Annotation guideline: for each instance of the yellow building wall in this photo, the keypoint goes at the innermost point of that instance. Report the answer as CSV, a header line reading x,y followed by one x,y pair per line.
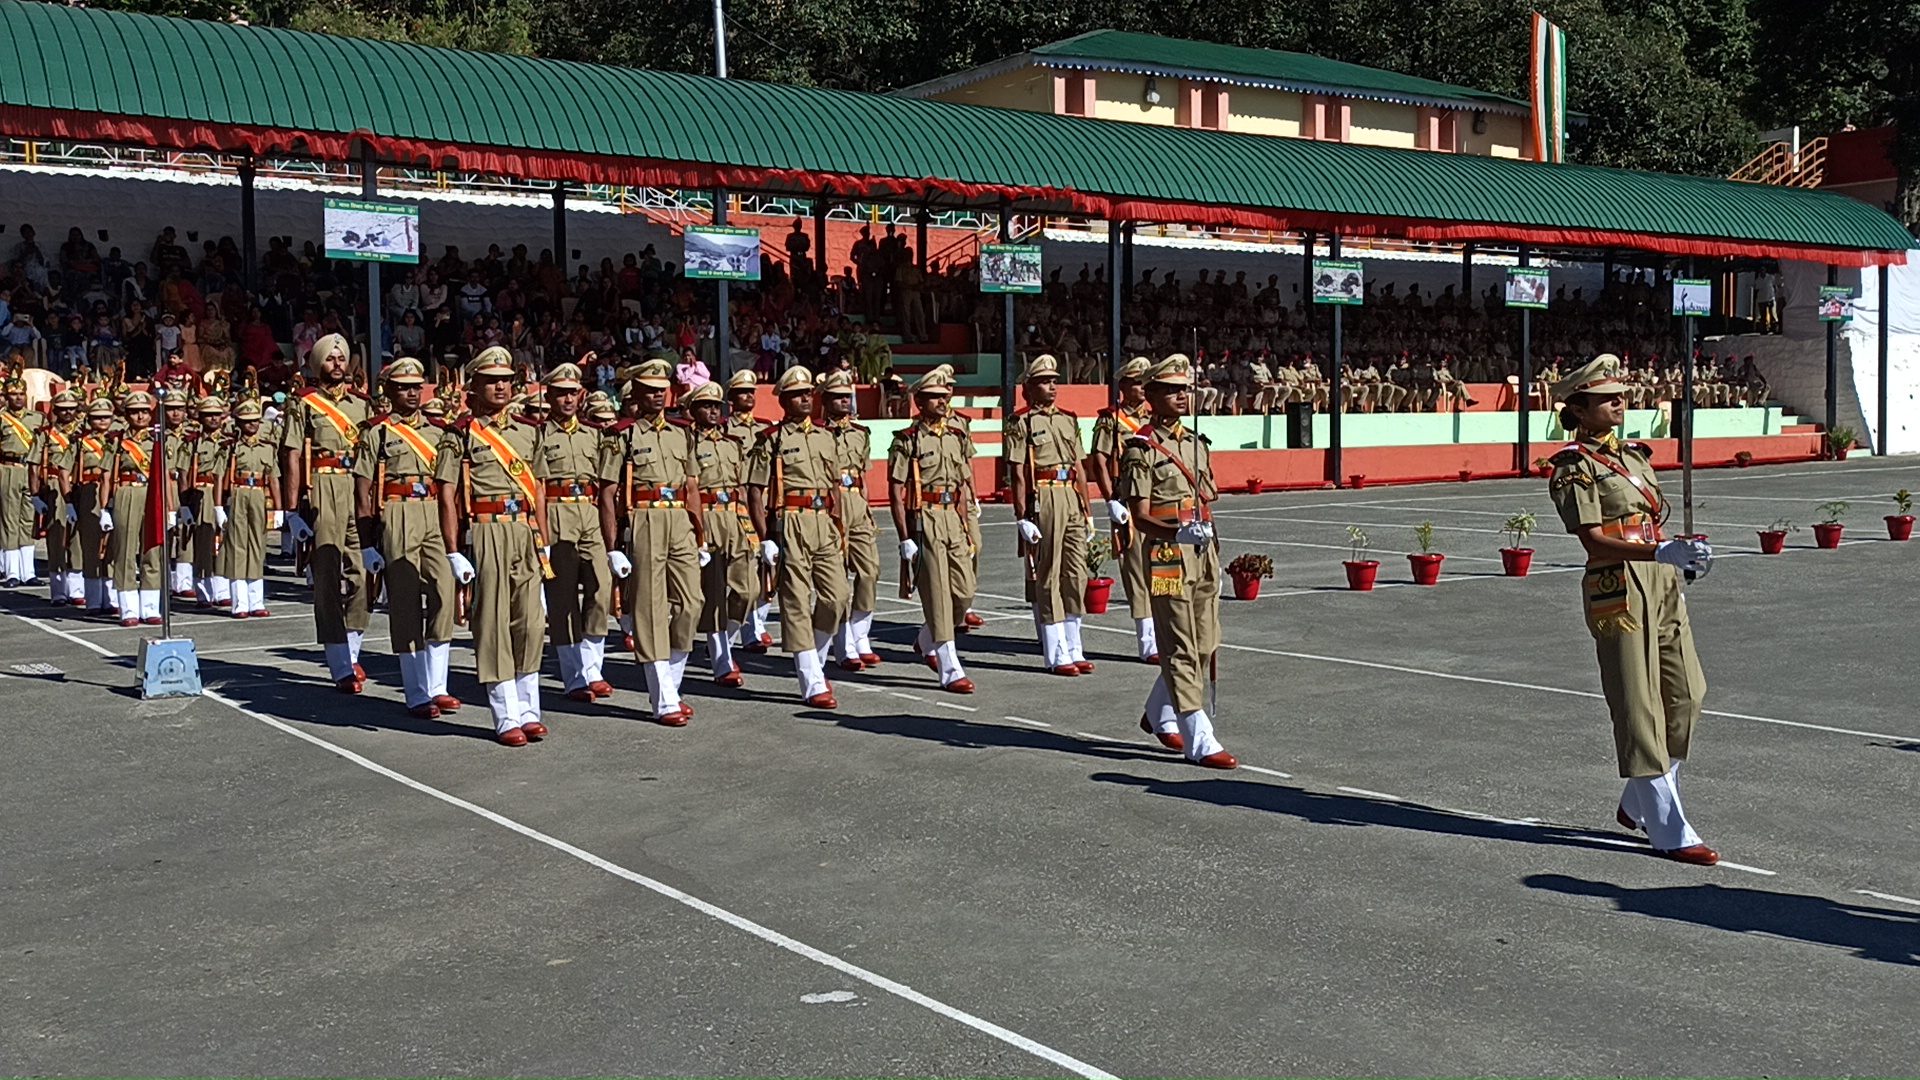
x,y
1377,123
1119,96
1029,89
1506,136
1257,111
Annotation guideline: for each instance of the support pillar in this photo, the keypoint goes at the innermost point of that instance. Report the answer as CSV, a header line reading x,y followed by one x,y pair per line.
x,y
1336,378
1524,446
1116,286
1833,361
1886,314
722,316
370,190
820,207
560,253
249,231
1007,360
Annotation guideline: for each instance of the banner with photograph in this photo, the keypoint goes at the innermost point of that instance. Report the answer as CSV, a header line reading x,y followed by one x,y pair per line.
x,y
1836,303
371,232
1692,296
722,252
1010,268
1527,287
1337,282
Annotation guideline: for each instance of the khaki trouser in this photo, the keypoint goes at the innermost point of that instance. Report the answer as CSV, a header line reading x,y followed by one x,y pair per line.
x,y
91,548
1648,668
1187,626
1133,574
731,580
246,547
508,628
133,569
204,536
1060,558
943,571
420,583
580,594
16,508
1391,396
63,540
863,551
813,578
336,561
663,592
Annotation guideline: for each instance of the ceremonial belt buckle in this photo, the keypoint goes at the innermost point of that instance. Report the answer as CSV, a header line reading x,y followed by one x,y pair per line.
x,y
847,479
511,506
940,496
723,497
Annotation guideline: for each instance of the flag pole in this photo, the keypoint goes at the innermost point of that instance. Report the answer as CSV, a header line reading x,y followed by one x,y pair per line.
x,y
159,476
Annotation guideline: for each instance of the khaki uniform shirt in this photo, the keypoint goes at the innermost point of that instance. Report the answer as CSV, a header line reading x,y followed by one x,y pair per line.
x,y
569,456
1045,439
243,457
487,474
16,444
1155,476
809,458
659,450
380,444
305,421
1586,491
944,452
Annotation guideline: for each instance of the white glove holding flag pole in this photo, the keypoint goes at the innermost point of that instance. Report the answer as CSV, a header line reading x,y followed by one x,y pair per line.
x,y
705,556
769,552
183,515
220,516
302,532
1029,531
106,521
1195,533
39,505
618,562
372,560
909,549
1684,554
1117,513
462,569
73,514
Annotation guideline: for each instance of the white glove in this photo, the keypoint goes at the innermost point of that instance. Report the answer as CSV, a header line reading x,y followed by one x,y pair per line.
x,y
184,515
73,514
276,518
1117,513
705,556
106,521
220,516
1694,555
372,560
173,520
39,505
1194,532
618,562
1028,531
462,569
769,552
909,549
302,532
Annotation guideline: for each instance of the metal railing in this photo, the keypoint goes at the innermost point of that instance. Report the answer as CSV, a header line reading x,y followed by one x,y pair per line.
x,y
1781,166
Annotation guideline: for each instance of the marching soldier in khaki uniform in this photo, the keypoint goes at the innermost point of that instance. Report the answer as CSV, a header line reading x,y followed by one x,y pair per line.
x,y
202,448
1042,445
793,481
742,394
853,447
1608,496
930,482
1168,473
488,487
19,427
399,512
648,474
48,456
580,593
249,473
82,475
728,582
1110,434
138,573
316,465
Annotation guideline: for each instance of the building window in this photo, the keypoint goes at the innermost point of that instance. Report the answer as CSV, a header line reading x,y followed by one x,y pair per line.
x,y
1439,130
1328,119
1073,94
1202,105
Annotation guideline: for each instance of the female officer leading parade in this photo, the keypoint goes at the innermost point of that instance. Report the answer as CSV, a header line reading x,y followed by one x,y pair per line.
x,y
1608,496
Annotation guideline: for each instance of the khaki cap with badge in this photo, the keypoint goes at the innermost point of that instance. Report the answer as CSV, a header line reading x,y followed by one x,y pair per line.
x,y
706,391
1044,366
656,374
744,379
66,399
405,371
838,382
493,361
563,377
100,407
1135,369
795,380
1175,370
247,410
939,382
1600,375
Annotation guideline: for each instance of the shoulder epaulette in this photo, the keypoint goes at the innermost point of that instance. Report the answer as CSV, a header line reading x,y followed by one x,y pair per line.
x,y
1203,437
375,420
1645,449
680,421
1567,455
1071,415
621,424
307,391
463,425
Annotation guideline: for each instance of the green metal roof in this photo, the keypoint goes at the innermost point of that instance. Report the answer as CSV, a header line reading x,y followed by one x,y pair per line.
x,y
90,75
1291,70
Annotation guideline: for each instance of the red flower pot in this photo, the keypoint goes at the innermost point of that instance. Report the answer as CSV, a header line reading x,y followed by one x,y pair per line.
x,y
1356,481
1098,591
1466,475
1256,487
1899,526
1360,574
1516,561
1246,586
1828,535
1772,541
1426,567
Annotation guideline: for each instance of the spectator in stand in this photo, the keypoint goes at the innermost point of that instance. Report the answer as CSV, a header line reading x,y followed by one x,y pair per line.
x,y
79,263
798,244
215,338
475,299
30,261
137,338
168,336
307,331
71,348
410,338
19,338
257,346
103,342
404,296
167,254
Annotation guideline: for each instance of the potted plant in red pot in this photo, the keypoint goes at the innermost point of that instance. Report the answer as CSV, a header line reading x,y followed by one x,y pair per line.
x,y
1246,570
1426,561
1826,531
1773,538
1255,485
1514,558
1360,569
1900,525
1839,441
1099,585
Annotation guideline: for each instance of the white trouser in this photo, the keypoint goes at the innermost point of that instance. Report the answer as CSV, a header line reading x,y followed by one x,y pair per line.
x,y
862,624
663,682
720,652
339,661
413,677
250,596
1654,803
182,577
28,566
504,702
593,658
112,596
756,627
923,641
222,589
10,564
948,654
526,690
1143,634
1053,646
1197,730
96,595
439,653
1075,651
571,678
811,673
149,603
1159,709
57,588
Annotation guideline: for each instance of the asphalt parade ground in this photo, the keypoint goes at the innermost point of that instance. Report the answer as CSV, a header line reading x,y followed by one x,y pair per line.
x,y
1414,872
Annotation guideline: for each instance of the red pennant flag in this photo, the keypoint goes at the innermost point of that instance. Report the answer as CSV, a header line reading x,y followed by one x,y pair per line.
x,y
154,533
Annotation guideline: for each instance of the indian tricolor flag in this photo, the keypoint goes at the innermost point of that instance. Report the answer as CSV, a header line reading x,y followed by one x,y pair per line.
x,y
1549,91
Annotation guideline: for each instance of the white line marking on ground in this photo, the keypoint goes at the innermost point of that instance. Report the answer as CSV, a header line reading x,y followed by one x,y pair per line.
x,y
1746,868
177,624
296,646
957,705
1888,896
1371,794
713,911
1266,772
1096,738
1029,723
909,697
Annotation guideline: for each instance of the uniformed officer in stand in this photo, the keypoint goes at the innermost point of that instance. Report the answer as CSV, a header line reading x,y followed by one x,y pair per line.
x,y
82,476
1608,496
1168,473
487,487
1043,451
44,462
793,481
648,475
399,510
198,480
249,471
742,394
1110,433
930,483
18,427
853,448
139,572
729,583
317,442
580,593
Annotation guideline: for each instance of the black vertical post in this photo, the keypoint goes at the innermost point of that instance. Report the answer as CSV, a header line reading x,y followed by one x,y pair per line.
x,y
560,253
1006,318
1116,283
370,190
1833,361
722,301
1686,413
249,230
1126,263
1886,314
1466,274
1308,241
920,236
1525,448
1336,378
820,207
